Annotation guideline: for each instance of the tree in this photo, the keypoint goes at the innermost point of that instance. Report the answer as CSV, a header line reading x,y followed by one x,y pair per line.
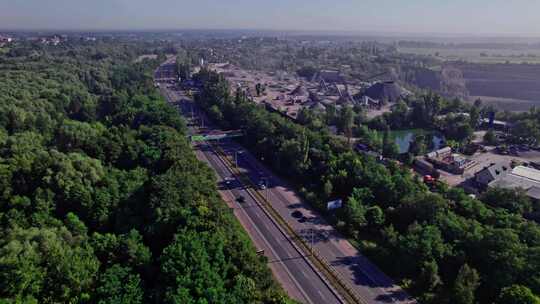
x,y
346,121
398,118
517,294
512,200
328,188
390,148
478,103
46,264
525,130
465,285
355,212
422,244
119,284
331,114
490,138
429,276
194,268
375,217
500,256
474,117
418,145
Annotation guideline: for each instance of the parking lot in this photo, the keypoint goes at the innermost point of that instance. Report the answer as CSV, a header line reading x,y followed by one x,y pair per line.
x,y
484,159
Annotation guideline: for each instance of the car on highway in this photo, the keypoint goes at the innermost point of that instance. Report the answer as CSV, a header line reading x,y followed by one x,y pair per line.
x,y
262,185
297,214
241,199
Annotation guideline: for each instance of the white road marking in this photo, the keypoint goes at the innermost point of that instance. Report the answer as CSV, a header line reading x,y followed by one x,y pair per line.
x,y
321,294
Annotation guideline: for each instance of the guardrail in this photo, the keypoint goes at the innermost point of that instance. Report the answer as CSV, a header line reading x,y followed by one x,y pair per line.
x,y
317,261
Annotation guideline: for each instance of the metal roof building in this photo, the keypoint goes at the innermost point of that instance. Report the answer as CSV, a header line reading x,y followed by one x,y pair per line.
x,y
522,177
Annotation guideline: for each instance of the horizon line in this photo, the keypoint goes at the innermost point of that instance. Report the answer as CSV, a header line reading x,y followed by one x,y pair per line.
x,y
333,32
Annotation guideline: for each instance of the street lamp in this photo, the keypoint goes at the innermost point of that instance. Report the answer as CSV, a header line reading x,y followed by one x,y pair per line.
x,y
236,153
312,239
266,183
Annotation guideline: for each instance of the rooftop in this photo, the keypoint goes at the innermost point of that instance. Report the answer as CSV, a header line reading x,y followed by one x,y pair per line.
x,y
527,172
387,91
521,177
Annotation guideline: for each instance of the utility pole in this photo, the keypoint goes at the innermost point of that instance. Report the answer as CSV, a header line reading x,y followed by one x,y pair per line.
x,y
266,189
266,183
236,158
312,239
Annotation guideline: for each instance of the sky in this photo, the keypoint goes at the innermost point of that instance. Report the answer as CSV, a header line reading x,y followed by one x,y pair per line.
x,y
505,17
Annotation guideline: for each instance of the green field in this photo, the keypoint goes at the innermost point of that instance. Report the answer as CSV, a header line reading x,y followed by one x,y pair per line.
x,y
478,55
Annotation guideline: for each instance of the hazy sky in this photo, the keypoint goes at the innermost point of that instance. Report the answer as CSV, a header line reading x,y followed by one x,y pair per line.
x,y
425,16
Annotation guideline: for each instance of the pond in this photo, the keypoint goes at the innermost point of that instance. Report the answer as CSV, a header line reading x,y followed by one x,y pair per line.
x,y
404,138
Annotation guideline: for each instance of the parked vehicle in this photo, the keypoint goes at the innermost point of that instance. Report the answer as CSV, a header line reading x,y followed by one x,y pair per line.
x,y
297,214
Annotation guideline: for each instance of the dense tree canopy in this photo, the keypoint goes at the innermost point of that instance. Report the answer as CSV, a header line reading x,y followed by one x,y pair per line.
x,y
101,198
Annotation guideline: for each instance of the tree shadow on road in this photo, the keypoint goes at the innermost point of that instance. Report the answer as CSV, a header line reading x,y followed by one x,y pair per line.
x,y
392,293
395,295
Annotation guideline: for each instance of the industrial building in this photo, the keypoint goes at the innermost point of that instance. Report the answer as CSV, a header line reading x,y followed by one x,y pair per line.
x,y
502,176
445,160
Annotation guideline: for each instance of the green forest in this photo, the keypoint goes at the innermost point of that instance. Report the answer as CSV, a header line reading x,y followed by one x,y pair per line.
x,y
102,199
442,245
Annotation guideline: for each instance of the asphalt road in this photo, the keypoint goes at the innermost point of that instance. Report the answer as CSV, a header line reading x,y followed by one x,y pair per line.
x,y
290,268
369,283
312,288
294,273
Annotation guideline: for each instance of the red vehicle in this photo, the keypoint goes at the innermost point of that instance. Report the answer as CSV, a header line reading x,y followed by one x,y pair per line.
x,y
428,179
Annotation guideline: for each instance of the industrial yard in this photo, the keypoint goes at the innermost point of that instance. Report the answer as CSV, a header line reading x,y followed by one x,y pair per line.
x,y
288,93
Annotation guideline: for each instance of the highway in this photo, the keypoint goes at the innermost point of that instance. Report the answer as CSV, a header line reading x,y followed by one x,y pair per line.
x,y
288,265
295,273
280,249
369,283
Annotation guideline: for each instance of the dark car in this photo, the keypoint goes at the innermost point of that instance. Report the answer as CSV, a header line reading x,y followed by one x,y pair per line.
x,y
524,148
297,214
513,150
241,199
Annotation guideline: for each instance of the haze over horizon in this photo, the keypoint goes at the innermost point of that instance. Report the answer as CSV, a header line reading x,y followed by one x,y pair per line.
x,y
495,17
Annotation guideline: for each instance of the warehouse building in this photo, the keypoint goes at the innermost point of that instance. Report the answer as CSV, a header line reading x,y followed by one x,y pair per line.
x,y
500,176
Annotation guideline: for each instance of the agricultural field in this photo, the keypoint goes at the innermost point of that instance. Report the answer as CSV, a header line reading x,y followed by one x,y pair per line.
x,y
478,55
